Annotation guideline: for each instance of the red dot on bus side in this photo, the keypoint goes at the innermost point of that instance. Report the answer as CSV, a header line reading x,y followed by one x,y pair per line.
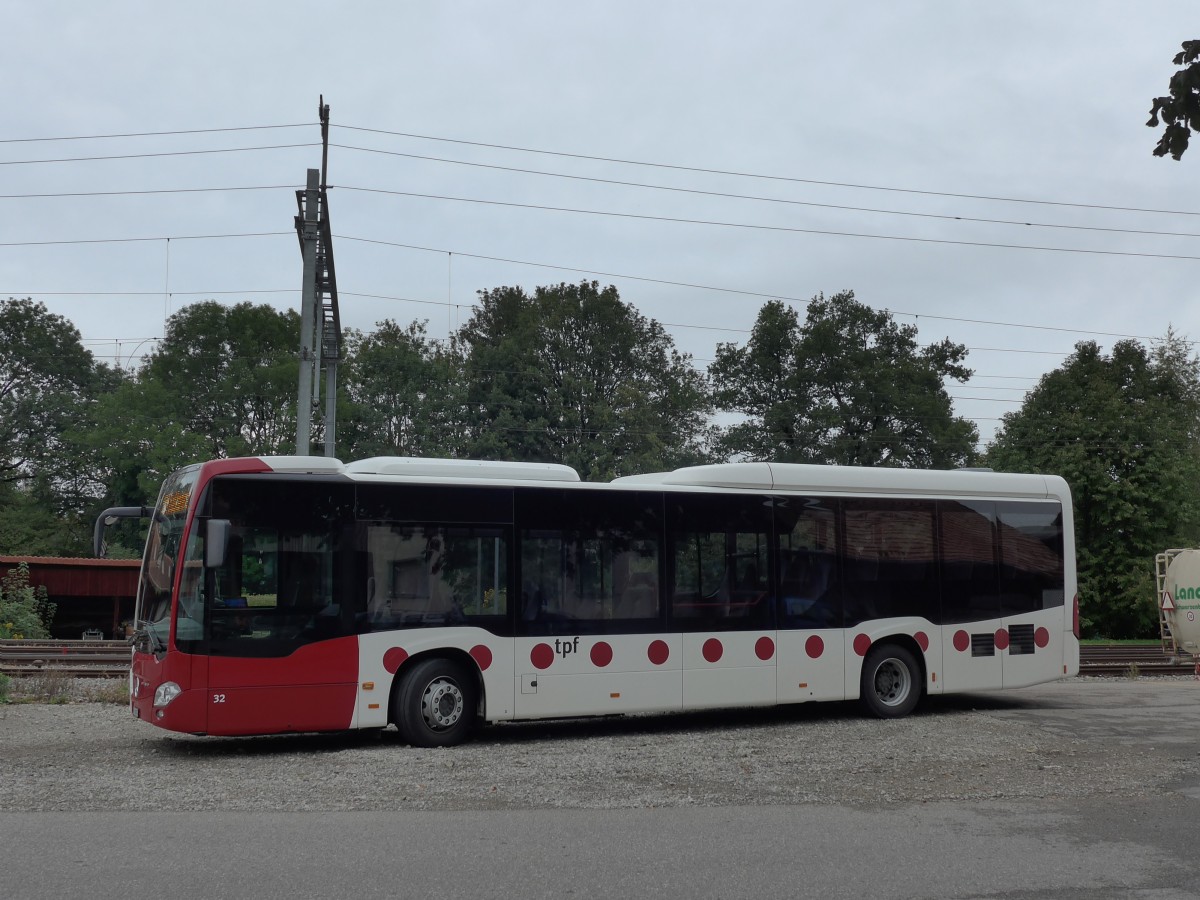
x,y
814,646
602,654
541,656
658,652
394,659
922,640
862,644
712,650
482,655
1001,639
962,641
1041,637
764,648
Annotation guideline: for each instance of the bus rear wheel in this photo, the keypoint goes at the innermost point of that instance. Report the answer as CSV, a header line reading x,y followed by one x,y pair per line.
x,y
434,704
891,681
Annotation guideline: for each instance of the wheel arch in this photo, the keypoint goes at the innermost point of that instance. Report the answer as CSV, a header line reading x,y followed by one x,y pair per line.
x,y
900,639
454,654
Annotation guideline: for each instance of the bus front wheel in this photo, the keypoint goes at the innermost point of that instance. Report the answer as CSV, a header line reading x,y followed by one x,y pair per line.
x,y
434,704
891,681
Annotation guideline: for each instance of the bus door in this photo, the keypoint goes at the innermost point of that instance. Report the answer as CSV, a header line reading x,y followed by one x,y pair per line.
x,y
590,637
974,642
721,600
1032,590
280,617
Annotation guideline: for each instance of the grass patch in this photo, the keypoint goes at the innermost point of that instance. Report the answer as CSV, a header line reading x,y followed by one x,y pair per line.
x,y
57,687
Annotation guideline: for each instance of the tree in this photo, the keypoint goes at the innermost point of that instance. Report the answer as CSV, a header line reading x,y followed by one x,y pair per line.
x,y
1124,431
48,381
221,383
404,394
573,374
1180,111
33,524
848,387
50,387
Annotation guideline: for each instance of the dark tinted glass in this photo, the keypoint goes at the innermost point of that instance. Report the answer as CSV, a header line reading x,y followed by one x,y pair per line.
x,y
1031,556
286,580
720,562
970,570
427,575
434,503
589,562
890,560
809,574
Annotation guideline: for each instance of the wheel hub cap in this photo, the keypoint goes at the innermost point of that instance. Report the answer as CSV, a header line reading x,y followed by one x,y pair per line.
x,y
442,704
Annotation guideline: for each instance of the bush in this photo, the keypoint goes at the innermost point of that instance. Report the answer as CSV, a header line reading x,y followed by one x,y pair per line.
x,y
5,686
25,610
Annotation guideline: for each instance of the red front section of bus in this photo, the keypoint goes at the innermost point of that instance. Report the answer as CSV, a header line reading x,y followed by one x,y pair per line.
x,y
312,689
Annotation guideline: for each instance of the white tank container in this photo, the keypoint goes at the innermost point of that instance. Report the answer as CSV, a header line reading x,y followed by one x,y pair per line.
x,y
1179,599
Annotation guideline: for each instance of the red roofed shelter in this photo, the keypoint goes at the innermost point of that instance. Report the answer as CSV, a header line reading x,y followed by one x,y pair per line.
x,y
90,594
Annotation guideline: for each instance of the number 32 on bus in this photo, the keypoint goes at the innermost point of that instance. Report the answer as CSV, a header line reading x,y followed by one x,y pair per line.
x,y
301,594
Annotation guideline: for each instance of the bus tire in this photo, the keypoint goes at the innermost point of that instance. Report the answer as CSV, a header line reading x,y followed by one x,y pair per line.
x,y
891,681
434,703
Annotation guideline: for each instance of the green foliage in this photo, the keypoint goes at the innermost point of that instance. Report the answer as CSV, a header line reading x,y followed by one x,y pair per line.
x,y
221,383
5,688
25,611
573,374
1124,431
848,386
1180,110
48,382
404,395
31,526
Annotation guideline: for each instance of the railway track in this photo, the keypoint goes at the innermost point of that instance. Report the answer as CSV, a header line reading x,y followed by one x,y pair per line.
x,y
1126,659
110,659
83,659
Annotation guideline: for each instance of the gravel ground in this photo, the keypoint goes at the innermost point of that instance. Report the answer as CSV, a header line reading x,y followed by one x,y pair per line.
x,y
83,755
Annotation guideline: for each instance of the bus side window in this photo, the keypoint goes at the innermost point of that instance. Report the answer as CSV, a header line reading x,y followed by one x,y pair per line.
x,y
720,563
588,567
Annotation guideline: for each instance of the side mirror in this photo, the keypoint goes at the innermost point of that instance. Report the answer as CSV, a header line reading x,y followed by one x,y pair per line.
x,y
110,517
216,542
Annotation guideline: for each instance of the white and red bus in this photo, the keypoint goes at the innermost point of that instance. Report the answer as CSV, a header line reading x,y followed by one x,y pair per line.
x,y
301,594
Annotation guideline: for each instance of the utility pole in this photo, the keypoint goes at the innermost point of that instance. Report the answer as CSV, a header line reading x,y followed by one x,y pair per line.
x,y
320,320
307,229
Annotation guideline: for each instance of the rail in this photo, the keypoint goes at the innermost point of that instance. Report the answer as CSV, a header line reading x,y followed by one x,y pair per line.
x,y
1133,659
86,659
110,659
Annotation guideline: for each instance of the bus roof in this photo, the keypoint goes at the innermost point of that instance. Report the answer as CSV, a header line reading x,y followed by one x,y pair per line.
x,y
744,476
763,476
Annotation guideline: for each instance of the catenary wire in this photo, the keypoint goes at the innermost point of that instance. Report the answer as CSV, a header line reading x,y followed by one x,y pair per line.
x,y
787,229
134,134
778,200
704,287
263,187
73,159
707,171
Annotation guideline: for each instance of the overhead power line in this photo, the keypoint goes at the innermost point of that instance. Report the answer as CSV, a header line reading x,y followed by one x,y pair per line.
x,y
708,287
33,162
760,199
779,228
260,187
784,178
131,240
137,134
173,293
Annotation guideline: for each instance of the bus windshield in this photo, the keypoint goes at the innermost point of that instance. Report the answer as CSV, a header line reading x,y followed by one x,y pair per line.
x,y
162,557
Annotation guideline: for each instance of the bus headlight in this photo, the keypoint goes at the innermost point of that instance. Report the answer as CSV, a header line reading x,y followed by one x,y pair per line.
x,y
167,691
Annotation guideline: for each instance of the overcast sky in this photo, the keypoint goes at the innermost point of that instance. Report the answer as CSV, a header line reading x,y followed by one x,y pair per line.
x,y
851,134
